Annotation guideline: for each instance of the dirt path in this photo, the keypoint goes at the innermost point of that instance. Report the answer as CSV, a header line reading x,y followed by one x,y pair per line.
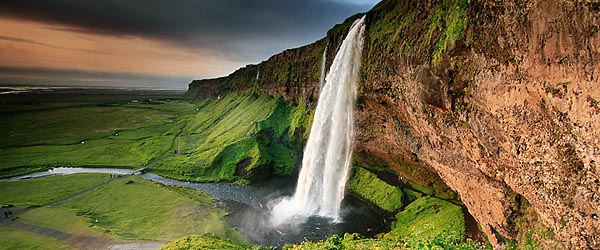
x,y
71,196
74,240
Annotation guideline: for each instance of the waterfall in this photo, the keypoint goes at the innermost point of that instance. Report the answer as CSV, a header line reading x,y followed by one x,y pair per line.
x,y
327,156
323,65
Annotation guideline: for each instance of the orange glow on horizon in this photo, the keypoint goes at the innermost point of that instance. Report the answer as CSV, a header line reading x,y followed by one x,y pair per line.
x,y
34,44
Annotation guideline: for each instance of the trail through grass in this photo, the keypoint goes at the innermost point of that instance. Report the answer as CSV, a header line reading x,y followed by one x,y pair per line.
x,y
43,191
18,239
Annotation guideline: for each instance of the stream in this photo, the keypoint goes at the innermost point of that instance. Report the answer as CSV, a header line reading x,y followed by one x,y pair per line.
x,y
249,208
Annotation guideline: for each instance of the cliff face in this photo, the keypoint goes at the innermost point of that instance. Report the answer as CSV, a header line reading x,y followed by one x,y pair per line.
x,y
293,74
497,100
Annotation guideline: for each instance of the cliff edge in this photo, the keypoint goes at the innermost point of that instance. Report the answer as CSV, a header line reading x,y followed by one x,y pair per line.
x,y
496,100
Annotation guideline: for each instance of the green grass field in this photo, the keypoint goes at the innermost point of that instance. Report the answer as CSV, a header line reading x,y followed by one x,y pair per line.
x,y
133,208
126,136
61,219
18,239
43,191
254,135
130,208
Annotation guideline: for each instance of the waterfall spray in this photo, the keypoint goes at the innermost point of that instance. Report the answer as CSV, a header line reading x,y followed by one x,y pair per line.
x,y
327,156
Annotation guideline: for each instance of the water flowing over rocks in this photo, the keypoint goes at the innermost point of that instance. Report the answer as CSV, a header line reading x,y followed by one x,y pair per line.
x,y
328,153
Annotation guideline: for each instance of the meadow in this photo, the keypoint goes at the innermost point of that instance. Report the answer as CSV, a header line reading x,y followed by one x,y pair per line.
x,y
122,209
121,135
240,137
98,130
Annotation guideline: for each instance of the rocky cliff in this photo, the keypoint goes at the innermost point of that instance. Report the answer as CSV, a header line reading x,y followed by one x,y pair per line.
x,y
496,100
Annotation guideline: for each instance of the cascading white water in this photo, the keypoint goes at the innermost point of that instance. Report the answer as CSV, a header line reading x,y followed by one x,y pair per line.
x,y
327,155
323,65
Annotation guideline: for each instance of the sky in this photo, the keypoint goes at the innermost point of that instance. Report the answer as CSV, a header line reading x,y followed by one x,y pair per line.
x,y
153,43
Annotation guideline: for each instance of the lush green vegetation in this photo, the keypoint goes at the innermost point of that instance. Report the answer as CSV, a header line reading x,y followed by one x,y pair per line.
x,y
427,223
197,242
105,135
402,29
134,208
335,242
129,208
43,191
239,135
366,185
356,242
451,20
18,239
427,218
61,219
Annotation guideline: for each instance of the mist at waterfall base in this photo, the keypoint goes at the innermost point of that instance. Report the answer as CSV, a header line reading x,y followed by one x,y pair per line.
x,y
250,213
315,209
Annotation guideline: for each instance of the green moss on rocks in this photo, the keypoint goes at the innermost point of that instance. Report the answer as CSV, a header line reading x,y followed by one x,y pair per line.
x,y
451,19
366,185
531,232
426,219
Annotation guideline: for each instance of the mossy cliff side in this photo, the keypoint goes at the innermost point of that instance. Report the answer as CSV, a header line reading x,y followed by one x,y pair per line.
x,y
496,101
239,137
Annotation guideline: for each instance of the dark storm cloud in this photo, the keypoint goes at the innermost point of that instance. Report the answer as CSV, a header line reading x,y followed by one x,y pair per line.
x,y
239,29
52,76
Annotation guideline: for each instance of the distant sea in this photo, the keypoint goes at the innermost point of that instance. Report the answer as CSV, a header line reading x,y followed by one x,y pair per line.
x,y
32,95
41,89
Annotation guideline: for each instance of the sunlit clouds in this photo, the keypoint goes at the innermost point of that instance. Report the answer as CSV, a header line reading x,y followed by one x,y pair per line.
x,y
36,45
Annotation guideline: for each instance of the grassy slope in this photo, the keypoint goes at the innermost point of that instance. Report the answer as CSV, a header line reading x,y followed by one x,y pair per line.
x,y
61,219
120,135
134,208
258,133
428,218
369,187
46,190
18,239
